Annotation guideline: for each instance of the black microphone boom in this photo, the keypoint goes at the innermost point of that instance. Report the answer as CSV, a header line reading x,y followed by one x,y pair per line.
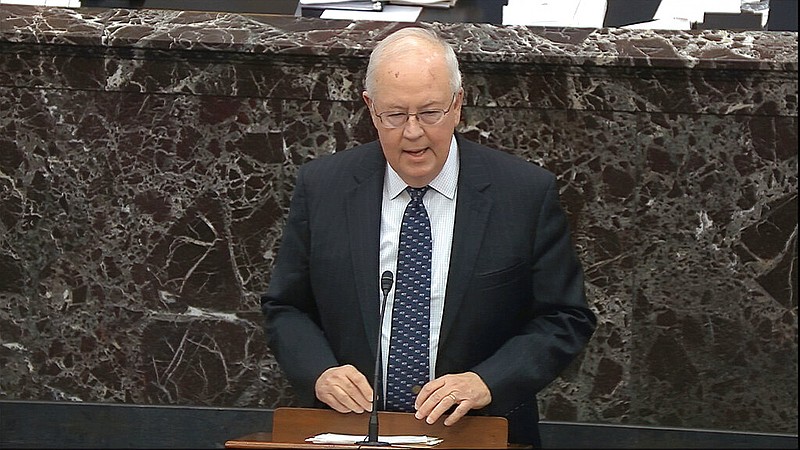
x,y
387,279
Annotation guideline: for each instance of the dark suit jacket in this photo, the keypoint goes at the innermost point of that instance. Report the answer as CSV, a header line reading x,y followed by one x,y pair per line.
x,y
515,310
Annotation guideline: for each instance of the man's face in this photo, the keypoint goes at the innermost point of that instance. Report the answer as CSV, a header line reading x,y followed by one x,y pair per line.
x,y
411,83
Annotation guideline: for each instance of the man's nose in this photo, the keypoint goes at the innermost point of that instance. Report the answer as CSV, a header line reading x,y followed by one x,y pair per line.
x,y
413,128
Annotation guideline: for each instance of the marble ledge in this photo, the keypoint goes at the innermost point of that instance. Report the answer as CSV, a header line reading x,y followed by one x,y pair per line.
x,y
257,34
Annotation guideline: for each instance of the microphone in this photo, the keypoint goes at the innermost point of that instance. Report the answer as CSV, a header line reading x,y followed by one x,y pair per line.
x,y
387,279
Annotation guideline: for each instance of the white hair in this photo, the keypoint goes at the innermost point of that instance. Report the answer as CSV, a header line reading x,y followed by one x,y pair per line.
x,y
392,46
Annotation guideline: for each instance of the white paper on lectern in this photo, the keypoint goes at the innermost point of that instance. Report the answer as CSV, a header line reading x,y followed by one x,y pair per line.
x,y
333,438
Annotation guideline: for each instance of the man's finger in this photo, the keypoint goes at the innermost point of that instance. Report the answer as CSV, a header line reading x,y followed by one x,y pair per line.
x,y
344,389
457,414
360,390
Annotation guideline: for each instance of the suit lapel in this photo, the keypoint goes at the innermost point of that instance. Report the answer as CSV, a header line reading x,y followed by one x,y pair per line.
x,y
472,215
363,226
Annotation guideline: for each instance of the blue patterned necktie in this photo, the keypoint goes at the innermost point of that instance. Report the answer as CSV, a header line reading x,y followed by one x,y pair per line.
x,y
408,367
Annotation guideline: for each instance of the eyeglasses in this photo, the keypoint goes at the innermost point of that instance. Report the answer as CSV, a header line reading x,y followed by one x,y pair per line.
x,y
397,119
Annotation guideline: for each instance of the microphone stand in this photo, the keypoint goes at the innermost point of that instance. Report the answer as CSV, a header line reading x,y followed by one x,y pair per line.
x,y
387,279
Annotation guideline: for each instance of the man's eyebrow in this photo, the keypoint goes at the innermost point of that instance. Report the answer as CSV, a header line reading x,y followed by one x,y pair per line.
x,y
431,104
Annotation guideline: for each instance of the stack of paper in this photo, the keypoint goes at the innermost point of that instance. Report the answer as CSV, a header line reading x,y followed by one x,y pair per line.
x,y
363,5
389,13
346,439
431,3
549,13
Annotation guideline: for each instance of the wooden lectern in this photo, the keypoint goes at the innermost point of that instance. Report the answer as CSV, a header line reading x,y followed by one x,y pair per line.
x,y
291,427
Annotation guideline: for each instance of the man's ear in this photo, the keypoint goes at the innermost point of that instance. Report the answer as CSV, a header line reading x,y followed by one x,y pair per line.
x,y
366,98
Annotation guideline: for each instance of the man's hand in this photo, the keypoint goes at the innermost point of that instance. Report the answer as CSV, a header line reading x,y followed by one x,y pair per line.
x,y
466,390
344,389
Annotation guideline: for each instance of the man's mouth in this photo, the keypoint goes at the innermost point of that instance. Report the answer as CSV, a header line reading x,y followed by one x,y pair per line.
x,y
416,152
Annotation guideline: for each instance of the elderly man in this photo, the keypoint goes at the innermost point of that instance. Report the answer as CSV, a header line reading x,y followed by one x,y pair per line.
x,y
488,306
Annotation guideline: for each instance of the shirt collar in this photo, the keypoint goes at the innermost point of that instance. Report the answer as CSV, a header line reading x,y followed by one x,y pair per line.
x,y
445,182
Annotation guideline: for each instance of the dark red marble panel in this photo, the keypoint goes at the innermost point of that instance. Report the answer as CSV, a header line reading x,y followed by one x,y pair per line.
x,y
147,159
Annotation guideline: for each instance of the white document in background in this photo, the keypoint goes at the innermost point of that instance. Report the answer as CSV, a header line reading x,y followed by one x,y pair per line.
x,y
693,10
317,2
555,13
390,13
681,14
340,4
429,3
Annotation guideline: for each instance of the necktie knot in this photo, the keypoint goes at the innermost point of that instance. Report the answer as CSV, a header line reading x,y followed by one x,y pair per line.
x,y
417,193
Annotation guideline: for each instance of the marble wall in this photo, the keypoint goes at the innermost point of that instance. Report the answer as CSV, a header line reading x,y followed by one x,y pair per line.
x,y
147,159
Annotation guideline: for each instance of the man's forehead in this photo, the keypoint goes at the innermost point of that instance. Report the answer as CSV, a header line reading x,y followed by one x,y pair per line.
x,y
419,64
